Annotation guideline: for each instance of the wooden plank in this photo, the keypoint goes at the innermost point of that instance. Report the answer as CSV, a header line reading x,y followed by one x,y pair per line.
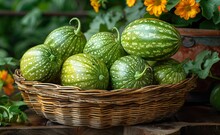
x,y
152,130
59,130
189,120
198,113
201,130
174,128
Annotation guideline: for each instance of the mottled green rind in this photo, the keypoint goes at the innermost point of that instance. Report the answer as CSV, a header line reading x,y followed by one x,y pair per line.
x,y
65,41
40,63
168,71
105,46
85,71
151,39
124,70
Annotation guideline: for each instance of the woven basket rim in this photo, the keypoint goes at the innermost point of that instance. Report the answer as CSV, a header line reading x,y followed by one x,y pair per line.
x,y
70,105
94,92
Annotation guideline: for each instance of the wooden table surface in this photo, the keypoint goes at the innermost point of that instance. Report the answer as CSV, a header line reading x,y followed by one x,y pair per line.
x,y
189,120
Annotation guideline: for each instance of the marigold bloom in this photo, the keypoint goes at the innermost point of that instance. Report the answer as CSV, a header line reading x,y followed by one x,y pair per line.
x,y
187,9
130,3
3,75
8,82
95,4
155,7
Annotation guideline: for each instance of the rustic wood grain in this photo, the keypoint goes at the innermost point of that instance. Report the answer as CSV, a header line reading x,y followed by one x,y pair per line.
x,y
59,130
190,120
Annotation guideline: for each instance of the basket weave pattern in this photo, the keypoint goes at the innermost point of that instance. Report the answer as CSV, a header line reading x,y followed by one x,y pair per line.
x,y
70,105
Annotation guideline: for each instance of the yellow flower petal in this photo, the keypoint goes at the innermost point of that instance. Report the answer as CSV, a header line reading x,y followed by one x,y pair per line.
x,y
95,4
130,3
3,75
155,7
187,9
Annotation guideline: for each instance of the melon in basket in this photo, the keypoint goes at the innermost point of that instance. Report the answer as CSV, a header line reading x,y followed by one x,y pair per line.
x,y
40,63
105,46
151,39
85,71
130,72
67,40
169,71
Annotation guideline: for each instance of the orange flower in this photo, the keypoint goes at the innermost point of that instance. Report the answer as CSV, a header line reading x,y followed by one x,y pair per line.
x,y
130,3
7,82
8,89
155,7
95,4
3,75
187,9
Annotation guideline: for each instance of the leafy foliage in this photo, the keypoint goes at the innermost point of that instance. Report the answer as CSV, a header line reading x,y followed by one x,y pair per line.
x,y
17,34
104,21
11,111
9,64
202,64
209,9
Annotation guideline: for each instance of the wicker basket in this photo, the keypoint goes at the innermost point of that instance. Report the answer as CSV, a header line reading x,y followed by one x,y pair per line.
x,y
101,108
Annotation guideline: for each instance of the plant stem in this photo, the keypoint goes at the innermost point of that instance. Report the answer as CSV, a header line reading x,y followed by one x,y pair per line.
x,y
118,34
139,75
77,31
214,77
6,110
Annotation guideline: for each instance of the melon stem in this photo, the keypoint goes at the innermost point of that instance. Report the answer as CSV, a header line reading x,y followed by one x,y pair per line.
x,y
52,57
118,34
101,77
139,75
77,31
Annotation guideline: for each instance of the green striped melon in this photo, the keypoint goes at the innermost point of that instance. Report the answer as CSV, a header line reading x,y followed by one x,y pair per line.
x,y
151,39
40,63
85,71
130,72
169,71
67,40
105,46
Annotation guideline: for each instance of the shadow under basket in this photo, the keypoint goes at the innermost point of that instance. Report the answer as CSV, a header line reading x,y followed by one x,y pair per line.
x,y
72,106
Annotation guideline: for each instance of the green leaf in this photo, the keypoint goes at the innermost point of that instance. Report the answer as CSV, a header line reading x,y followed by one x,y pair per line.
x,y
209,24
103,27
9,63
26,5
14,109
18,103
171,4
23,117
4,43
4,100
135,12
3,53
1,84
147,15
216,18
180,22
202,64
10,111
32,18
59,3
103,3
209,7
1,118
104,20
213,58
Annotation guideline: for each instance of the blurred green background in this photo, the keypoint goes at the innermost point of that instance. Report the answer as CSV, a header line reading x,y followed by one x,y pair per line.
x,y
26,23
